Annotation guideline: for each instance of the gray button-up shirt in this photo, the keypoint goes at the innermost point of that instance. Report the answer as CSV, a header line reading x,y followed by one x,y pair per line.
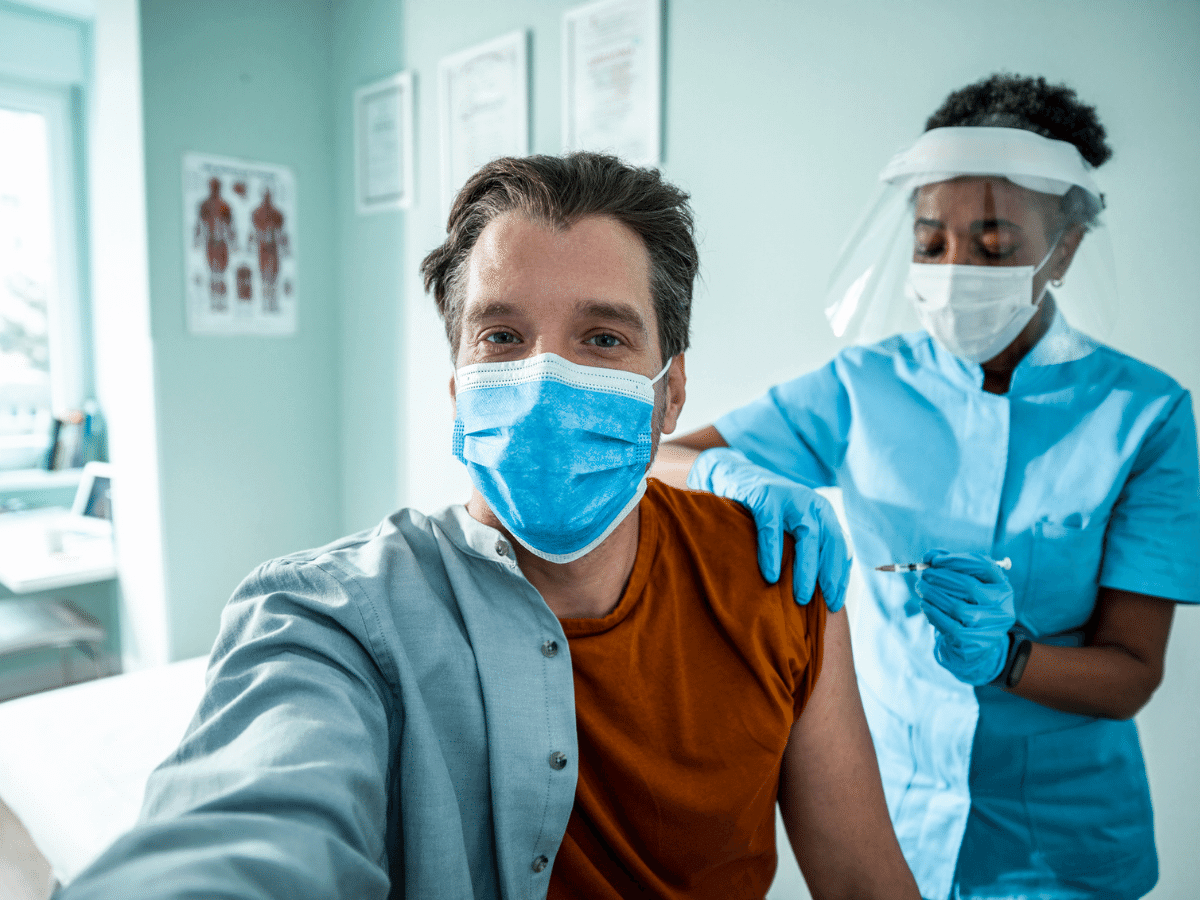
x,y
377,723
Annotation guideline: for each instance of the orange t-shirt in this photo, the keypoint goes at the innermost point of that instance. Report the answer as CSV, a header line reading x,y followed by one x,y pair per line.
x,y
685,695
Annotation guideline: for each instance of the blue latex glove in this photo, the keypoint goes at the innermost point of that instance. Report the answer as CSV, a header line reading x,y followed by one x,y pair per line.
x,y
778,506
968,599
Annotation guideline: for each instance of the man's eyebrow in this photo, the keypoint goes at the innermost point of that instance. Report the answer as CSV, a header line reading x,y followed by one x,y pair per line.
x,y
494,309
597,309
615,312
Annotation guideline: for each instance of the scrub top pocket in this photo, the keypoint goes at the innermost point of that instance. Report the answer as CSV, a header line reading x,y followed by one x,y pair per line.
x,y
1063,575
1089,803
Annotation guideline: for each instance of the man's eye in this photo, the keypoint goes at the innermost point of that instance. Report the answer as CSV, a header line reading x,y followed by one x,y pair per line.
x,y
606,340
501,337
926,251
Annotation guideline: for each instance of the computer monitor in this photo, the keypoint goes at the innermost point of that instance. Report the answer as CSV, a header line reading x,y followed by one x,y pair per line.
x,y
93,498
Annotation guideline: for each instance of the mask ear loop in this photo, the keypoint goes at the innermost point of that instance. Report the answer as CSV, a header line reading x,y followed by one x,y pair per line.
x,y
659,376
1054,282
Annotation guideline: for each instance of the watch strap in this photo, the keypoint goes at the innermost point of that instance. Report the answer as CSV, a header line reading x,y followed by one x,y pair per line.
x,y
1019,647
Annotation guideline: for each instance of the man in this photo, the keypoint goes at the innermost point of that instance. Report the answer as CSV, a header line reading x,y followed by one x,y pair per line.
x,y
576,685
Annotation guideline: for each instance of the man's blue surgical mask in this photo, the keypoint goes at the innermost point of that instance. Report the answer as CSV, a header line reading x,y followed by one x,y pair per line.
x,y
559,451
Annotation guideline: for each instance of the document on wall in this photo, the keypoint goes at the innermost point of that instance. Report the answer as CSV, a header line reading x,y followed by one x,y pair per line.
x,y
612,79
483,95
239,246
383,144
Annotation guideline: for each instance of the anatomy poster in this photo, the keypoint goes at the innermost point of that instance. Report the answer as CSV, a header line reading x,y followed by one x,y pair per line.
x,y
239,240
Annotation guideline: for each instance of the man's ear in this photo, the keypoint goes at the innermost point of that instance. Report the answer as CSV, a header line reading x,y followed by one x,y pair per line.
x,y
676,393
453,396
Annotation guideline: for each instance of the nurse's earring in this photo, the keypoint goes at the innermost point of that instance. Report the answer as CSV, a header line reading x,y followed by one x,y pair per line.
x,y
1056,282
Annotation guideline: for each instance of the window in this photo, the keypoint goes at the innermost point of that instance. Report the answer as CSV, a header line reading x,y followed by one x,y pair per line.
x,y
42,362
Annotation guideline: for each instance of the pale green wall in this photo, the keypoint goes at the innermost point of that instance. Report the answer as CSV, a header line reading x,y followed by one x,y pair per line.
x,y
367,46
249,427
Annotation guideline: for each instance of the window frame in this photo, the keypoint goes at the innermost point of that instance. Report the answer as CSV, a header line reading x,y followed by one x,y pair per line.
x,y
70,359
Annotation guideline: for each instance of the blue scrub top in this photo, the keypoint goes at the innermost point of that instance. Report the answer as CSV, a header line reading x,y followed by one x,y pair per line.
x,y
1085,475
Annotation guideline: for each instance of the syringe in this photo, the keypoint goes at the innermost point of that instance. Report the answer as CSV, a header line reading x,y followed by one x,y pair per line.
x,y
1005,563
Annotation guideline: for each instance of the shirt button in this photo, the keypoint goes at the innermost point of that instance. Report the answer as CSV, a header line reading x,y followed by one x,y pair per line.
x,y
558,760
550,649
501,548
539,864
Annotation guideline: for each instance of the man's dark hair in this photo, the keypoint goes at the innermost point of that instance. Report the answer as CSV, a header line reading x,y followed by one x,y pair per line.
x,y
1054,111
558,191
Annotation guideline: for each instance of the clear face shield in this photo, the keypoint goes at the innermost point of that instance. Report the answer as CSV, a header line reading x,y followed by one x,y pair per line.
x,y
972,228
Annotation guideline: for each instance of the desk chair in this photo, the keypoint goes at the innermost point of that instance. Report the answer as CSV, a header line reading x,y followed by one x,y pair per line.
x,y
27,625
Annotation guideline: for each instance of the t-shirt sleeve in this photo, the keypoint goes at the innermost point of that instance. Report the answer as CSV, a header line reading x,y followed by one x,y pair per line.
x,y
1152,545
798,429
281,779
805,627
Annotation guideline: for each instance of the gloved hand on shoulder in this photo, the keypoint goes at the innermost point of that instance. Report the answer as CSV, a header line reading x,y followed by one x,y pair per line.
x,y
968,599
778,506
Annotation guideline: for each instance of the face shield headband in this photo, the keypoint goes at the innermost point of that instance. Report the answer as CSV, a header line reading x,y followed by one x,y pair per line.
x,y
865,299
1034,162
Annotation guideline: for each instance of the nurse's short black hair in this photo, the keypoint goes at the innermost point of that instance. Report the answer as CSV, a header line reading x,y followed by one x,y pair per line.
x,y
1054,111
1019,101
559,191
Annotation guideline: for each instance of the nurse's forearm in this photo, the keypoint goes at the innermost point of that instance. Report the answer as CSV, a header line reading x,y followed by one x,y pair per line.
x,y
674,459
1117,672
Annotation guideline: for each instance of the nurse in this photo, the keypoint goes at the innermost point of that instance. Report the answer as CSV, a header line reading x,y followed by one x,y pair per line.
x,y
1047,482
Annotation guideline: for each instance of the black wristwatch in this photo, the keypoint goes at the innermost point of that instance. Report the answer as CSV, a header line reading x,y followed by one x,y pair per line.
x,y
1019,647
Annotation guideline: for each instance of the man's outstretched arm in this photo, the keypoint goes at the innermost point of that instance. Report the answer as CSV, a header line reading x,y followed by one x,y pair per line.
x,y
830,793
279,788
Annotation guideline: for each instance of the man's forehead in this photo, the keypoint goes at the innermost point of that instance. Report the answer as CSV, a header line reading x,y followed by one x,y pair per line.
x,y
596,258
514,230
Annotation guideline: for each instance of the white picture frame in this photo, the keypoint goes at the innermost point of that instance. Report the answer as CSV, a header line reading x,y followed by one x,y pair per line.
x,y
383,145
483,104
612,79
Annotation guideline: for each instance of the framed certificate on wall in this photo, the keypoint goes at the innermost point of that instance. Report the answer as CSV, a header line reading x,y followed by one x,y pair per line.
x,y
483,99
383,144
612,79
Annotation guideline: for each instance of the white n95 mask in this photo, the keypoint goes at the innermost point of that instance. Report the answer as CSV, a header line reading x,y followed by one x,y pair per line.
x,y
974,311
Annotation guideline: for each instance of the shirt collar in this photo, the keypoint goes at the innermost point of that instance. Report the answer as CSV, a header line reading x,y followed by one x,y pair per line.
x,y
472,536
1060,344
955,369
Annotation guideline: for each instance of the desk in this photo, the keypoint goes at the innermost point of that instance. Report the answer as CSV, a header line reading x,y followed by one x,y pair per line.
x,y
47,549
42,552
